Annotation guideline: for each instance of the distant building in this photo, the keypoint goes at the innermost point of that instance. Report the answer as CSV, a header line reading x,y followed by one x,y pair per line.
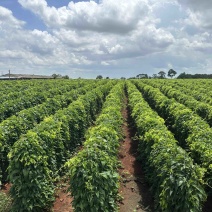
x,y
23,76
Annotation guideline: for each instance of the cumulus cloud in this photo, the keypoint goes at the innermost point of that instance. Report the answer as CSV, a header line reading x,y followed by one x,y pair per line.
x,y
196,4
121,16
144,41
202,42
107,35
200,13
103,31
87,35
32,50
7,20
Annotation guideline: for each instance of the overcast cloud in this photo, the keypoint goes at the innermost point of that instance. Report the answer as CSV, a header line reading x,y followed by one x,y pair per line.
x,y
111,38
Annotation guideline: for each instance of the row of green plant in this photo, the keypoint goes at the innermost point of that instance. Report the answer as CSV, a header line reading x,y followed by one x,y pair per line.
x,y
197,85
31,98
29,87
12,128
199,89
7,87
36,159
204,110
176,182
94,180
200,92
192,132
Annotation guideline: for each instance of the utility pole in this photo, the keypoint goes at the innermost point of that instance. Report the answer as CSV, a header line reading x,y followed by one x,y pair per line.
x,y
9,74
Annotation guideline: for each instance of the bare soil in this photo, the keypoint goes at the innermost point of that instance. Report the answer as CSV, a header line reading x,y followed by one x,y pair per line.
x,y
133,187
63,199
6,188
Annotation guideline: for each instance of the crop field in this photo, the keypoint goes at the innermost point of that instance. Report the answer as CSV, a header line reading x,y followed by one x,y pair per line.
x,y
55,128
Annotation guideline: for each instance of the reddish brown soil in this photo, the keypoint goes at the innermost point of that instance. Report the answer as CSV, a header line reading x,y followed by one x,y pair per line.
x,y
63,199
133,188
6,188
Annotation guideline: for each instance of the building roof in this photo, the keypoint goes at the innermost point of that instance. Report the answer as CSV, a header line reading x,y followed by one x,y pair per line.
x,y
25,76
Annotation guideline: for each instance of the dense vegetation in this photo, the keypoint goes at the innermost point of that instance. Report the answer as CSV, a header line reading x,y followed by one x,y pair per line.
x,y
168,167
42,122
194,76
94,178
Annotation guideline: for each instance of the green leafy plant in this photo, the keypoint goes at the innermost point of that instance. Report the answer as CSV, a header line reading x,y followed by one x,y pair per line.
x,y
192,132
37,158
168,167
94,180
12,128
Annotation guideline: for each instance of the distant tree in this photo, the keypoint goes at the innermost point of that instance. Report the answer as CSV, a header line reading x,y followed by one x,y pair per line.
x,y
171,73
55,76
161,74
65,77
154,76
107,77
99,77
182,76
194,76
142,76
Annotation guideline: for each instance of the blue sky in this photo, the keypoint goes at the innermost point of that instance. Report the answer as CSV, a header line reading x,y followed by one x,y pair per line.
x,y
119,38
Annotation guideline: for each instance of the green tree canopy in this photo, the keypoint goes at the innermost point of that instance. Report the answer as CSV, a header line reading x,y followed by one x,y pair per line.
x,y
65,77
162,74
154,76
142,76
171,73
99,77
55,76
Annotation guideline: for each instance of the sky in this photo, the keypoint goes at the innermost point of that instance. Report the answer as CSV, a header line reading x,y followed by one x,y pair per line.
x,y
112,38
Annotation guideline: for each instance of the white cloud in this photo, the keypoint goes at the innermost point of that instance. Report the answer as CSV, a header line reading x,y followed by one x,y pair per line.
x,y
120,16
7,20
197,4
199,12
105,63
105,31
5,54
112,38
32,50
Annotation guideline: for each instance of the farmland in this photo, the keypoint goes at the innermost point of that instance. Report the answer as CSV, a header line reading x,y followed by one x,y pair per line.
x,y
73,128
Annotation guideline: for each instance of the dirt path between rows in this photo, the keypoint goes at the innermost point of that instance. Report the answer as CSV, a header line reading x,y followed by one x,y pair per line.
x,y
133,188
63,199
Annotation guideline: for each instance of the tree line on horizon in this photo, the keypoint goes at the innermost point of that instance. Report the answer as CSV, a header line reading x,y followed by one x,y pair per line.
x,y
162,75
194,76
